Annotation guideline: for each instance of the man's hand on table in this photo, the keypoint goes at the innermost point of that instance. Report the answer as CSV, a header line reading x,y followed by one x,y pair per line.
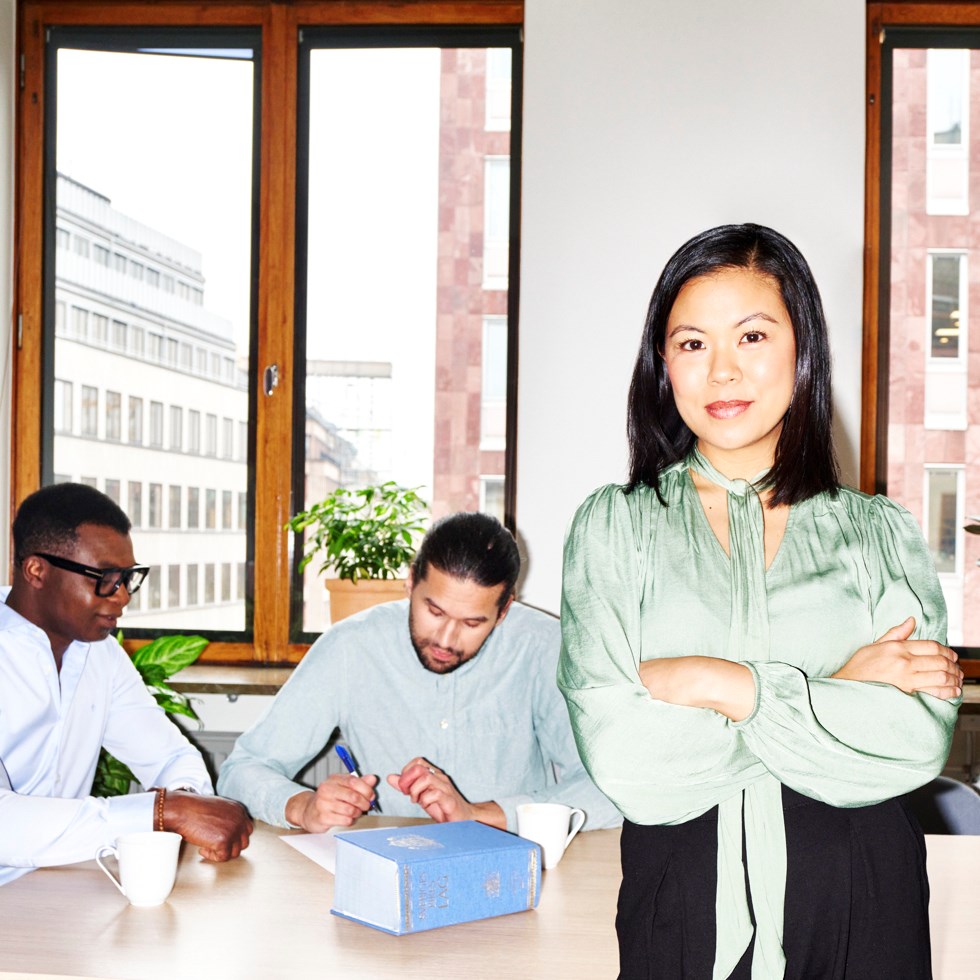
x,y
435,792
220,828
337,802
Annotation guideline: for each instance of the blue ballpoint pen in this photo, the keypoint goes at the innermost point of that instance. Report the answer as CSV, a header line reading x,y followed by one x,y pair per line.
x,y
348,761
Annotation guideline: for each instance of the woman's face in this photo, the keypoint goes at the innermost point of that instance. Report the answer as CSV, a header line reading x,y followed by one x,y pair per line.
x,y
730,353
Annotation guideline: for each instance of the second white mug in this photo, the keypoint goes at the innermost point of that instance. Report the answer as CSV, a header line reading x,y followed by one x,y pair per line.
x,y
147,865
552,825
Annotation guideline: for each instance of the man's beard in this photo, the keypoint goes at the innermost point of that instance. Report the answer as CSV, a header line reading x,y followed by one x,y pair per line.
x,y
435,666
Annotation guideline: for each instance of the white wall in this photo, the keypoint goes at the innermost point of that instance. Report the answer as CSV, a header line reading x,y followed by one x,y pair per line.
x,y
645,123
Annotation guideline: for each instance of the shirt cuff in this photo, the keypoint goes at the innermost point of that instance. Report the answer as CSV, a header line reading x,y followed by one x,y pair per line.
x,y
131,813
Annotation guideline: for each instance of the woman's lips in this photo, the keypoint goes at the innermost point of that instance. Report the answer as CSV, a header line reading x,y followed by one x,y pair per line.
x,y
726,410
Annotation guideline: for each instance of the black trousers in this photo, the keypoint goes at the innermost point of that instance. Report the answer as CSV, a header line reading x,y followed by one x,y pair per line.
x,y
856,905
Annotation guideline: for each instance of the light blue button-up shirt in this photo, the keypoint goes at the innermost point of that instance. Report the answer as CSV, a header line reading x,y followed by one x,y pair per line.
x,y
497,725
51,729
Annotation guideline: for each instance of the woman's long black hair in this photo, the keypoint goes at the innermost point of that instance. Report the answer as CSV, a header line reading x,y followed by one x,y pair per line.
x,y
805,463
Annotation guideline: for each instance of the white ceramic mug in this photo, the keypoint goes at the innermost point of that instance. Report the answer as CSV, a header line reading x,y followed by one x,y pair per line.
x,y
147,865
552,825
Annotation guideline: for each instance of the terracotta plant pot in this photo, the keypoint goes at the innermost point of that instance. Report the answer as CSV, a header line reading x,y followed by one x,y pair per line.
x,y
347,598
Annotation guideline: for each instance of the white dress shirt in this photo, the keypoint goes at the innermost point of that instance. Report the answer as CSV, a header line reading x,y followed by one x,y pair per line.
x,y
51,729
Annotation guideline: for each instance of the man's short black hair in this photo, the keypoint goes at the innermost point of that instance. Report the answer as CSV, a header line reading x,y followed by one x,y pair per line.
x,y
48,520
473,547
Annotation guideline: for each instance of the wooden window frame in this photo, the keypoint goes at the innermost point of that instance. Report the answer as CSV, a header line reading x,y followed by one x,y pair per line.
x,y
280,24
874,381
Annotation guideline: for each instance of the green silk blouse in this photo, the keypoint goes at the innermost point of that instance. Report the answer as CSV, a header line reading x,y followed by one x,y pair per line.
x,y
642,581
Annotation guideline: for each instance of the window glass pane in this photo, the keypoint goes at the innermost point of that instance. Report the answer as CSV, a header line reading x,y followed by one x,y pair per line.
x,y
395,375
154,161
931,387
945,322
942,529
946,83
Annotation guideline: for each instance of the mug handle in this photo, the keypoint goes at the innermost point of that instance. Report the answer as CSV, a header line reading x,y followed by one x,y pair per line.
x,y
577,818
109,849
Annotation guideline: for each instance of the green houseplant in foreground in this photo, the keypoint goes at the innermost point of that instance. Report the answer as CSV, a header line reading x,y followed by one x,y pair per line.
x,y
156,662
364,534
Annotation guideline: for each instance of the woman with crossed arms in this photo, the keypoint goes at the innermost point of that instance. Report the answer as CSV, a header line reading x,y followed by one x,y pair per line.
x,y
753,655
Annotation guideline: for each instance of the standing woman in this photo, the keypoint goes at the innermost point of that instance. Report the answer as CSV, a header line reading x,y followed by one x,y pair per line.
x,y
753,655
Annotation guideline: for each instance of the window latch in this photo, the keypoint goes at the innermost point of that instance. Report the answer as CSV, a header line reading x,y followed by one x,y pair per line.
x,y
271,379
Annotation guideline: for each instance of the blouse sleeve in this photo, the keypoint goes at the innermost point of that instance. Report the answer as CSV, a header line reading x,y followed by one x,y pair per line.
x,y
852,743
658,762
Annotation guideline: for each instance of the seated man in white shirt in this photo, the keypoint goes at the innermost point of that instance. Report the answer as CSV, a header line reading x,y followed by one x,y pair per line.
x,y
448,696
67,688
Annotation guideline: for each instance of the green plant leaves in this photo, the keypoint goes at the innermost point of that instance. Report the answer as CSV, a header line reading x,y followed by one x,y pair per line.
x,y
156,662
365,533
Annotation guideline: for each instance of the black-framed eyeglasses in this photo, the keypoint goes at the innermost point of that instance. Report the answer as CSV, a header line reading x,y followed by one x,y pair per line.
x,y
108,580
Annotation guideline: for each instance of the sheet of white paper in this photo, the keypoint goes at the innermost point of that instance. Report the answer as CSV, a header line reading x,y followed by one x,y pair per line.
x,y
321,848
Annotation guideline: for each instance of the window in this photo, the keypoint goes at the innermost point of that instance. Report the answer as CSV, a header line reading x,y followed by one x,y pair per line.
x,y
226,510
943,516
100,329
225,581
173,586
156,424
358,366
101,255
193,507
112,491
135,506
63,394
79,322
496,222
176,426
193,595
135,421
193,431
211,435
947,304
947,130
113,416
493,393
175,495
209,582
227,438
152,589
90,411
921,408
156,505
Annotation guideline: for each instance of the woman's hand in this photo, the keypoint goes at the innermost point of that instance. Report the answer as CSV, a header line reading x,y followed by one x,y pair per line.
x,y
701,682
910,665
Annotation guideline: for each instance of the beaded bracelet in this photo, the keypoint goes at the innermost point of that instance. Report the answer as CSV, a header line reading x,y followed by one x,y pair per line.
x,y
158,808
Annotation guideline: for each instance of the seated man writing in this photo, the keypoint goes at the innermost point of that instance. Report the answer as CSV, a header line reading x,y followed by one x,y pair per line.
x,y
67,688
451,694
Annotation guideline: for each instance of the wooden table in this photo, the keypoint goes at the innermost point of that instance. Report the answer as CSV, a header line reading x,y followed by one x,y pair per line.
x,y
266,915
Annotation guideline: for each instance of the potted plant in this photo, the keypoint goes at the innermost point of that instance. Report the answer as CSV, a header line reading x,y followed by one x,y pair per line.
x,y
367,538
156,662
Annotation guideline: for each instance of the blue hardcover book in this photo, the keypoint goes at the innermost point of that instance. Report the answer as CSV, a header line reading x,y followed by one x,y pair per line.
x,y
406,879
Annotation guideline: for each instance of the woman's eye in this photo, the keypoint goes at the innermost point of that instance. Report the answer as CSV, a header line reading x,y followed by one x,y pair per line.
x,y
692,344
754,337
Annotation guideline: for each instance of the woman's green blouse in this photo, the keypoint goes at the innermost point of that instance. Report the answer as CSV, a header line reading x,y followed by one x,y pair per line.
x,y
643,580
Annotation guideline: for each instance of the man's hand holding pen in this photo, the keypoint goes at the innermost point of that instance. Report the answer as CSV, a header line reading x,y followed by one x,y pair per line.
x,y
336,802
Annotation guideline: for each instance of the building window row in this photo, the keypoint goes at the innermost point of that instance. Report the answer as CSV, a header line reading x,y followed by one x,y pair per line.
x,y
96,329
186,586
165,430
140,271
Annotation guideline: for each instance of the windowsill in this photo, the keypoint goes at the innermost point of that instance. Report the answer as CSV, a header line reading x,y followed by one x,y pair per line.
x,y
220,679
